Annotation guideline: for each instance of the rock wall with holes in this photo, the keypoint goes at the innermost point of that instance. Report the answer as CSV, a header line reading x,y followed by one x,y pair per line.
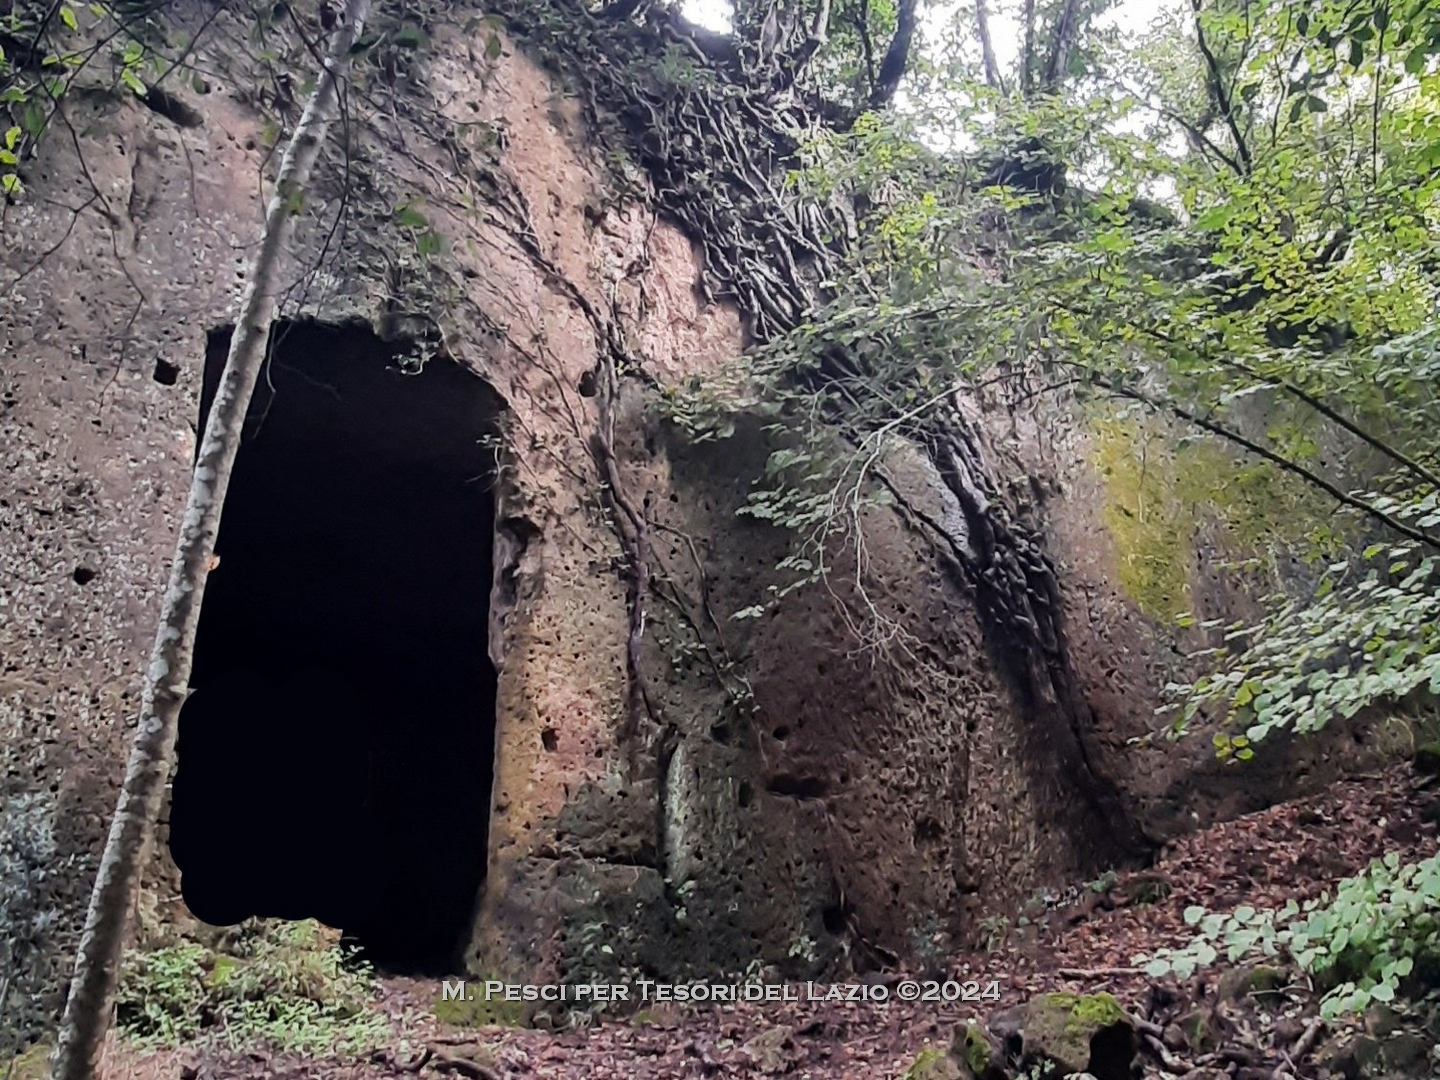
x,y
729,790
132,242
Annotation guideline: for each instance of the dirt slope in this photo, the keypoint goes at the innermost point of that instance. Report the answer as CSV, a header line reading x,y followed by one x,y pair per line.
x,y
1083,940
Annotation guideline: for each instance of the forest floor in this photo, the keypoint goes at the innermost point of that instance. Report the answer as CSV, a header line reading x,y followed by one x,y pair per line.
x,y
1293,850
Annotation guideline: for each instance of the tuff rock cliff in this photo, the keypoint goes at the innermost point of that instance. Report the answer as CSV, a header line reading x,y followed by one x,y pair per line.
x,y
662,787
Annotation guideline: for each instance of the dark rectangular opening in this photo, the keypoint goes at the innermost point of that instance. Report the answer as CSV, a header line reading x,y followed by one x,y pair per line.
x,y
335,757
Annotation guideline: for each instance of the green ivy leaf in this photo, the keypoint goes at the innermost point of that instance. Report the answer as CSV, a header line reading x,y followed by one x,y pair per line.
x,y
428,245
412,37
411,218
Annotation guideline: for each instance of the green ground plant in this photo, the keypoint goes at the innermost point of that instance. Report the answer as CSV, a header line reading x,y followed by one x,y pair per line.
x,y
290,986
1376,936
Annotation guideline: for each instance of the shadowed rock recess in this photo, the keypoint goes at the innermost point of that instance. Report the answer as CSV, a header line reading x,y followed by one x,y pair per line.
x,y
335,757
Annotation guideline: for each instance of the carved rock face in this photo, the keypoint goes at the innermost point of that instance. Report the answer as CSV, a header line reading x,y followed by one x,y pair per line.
x,y
787,796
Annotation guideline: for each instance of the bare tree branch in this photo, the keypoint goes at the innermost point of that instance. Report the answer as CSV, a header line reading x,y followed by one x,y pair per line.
x,y
1067,29
1027,61
1201,142
1216,78
819,34
987,47
867,47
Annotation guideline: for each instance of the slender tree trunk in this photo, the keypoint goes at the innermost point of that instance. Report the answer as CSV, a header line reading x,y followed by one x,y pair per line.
x,y
92,989
1067,28
897,56
987,48
1027,61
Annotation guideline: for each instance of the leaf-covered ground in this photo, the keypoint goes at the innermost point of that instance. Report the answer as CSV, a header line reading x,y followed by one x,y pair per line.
x,y
1292,850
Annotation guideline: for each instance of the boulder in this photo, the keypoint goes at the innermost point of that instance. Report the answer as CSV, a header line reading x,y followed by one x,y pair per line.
x,y
933,1064
980,1054
1261,982
1407,1053
1400,1054
1075,1033
1007,1025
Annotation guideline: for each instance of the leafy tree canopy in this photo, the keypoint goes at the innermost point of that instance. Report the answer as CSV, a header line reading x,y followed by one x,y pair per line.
x,y
1225,220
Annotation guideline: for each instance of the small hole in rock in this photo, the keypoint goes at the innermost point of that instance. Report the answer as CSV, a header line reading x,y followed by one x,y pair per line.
x,y
166,373
927,829
797,787
166,104
746,795
549,740
83,575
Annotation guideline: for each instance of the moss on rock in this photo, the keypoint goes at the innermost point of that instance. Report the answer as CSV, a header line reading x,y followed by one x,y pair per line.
x,y
979,1052
30,1064
1141,515
1074,1033
472,1010
1160,494
932,1064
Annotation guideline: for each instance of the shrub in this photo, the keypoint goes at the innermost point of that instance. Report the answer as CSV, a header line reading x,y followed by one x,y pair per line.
x,y
287,985
1380,928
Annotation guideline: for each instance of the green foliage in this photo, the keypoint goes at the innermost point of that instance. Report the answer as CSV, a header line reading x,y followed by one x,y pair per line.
x,y
1361,945
1282,300
58,47
288,985
929,1064
1346,649
427,241
1150,889
994,930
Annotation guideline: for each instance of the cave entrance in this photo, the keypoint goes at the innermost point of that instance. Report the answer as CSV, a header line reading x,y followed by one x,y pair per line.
x,y
335,757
